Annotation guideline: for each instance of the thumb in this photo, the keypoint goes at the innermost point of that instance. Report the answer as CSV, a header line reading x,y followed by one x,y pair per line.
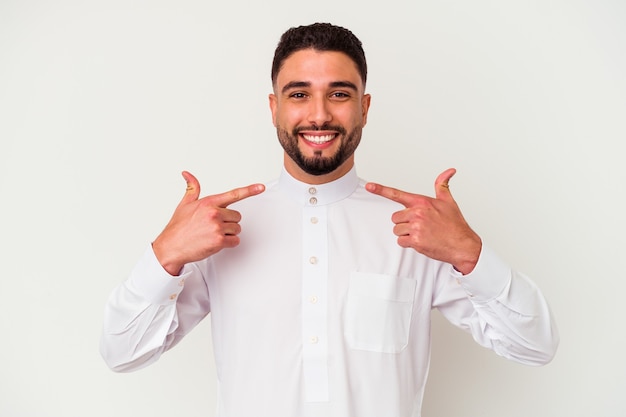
x,y
442,188
193,188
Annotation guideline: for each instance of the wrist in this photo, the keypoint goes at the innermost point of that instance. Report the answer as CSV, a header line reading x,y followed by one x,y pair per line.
x,y
468,258
169,264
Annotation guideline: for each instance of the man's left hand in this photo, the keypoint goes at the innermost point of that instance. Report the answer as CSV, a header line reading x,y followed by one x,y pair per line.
x,y
434,227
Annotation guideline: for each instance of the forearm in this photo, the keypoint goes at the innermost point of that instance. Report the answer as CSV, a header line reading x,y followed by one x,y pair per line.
x,y
506,312
135,332
518,324
142,317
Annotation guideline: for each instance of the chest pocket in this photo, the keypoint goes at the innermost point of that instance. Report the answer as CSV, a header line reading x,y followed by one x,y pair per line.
x,y
378,312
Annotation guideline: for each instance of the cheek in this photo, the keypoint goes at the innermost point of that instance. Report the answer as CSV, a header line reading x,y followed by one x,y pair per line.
x,y
350,119
288,117
351,111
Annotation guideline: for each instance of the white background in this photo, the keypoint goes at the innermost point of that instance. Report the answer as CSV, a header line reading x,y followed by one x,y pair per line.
x,y
103,103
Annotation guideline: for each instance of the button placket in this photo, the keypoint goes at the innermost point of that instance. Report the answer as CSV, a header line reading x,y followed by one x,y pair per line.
x,y
314,300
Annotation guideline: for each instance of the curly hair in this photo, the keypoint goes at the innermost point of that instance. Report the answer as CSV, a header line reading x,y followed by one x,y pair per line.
x,y
321,37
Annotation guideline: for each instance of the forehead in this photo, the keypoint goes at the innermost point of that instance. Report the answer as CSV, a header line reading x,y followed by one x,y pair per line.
x,y
310,65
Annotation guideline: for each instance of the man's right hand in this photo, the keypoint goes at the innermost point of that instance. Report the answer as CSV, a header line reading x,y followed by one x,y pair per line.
x,y
200,227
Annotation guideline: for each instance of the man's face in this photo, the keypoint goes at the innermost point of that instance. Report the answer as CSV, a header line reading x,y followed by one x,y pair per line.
x,y
319,109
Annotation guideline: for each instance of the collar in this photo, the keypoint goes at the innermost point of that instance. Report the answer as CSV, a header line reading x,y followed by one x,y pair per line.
x,y
321,194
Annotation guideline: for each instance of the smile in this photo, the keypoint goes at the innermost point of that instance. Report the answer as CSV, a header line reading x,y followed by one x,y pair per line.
x,y
319,139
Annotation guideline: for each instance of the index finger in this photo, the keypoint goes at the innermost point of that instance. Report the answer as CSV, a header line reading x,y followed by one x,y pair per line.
x,y
237,194
391,193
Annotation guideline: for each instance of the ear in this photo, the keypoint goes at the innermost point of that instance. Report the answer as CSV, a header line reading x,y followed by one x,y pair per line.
x,y
365,106
273,106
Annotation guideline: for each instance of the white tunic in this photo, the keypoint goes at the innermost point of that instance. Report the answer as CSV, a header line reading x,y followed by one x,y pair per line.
x,y
318,312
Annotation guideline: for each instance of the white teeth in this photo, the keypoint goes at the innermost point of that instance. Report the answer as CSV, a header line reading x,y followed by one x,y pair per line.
x,y
319,139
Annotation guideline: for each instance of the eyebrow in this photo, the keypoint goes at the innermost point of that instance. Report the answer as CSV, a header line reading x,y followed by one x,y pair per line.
x,y
295,84
305,84
343,84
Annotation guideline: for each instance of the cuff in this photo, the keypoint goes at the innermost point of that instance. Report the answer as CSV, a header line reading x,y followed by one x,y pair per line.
x,y
153,283
489,278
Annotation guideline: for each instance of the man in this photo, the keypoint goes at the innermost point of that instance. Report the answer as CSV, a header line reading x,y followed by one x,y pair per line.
x,y
319,307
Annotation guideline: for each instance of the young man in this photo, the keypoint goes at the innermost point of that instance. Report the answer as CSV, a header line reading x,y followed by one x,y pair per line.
x,y
318,307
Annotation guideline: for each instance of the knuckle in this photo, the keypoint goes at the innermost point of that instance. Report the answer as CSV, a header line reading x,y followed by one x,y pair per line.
x,y
213,213
218,241
235,195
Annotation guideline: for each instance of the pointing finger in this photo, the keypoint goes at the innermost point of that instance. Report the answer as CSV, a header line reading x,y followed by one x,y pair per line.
x,y
225,199
442,188
394,194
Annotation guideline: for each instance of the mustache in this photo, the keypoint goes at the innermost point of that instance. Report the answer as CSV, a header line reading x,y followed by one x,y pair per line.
x,y
335,128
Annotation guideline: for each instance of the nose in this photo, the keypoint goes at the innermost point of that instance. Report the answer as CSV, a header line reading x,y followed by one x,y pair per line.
x,y
319,111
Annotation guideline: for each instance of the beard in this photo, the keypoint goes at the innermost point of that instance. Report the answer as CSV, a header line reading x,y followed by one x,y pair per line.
x,y
318,164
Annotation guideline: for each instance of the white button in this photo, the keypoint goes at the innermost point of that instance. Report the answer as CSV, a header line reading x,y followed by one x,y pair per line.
x,y
313,299
314,220
313,340
313,200
458,281
313,260
312,190
181,282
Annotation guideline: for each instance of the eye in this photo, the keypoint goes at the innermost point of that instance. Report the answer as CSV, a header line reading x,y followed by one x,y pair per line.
x,y
297,95
341,95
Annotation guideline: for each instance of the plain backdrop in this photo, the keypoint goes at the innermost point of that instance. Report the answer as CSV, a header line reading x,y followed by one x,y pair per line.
x,y
104,103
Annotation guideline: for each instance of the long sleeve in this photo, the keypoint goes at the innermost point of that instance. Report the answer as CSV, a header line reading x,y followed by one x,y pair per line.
x,y
506,311
151,312
319,299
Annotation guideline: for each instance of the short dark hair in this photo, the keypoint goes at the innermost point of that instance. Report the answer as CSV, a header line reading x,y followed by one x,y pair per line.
x,y
321,37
